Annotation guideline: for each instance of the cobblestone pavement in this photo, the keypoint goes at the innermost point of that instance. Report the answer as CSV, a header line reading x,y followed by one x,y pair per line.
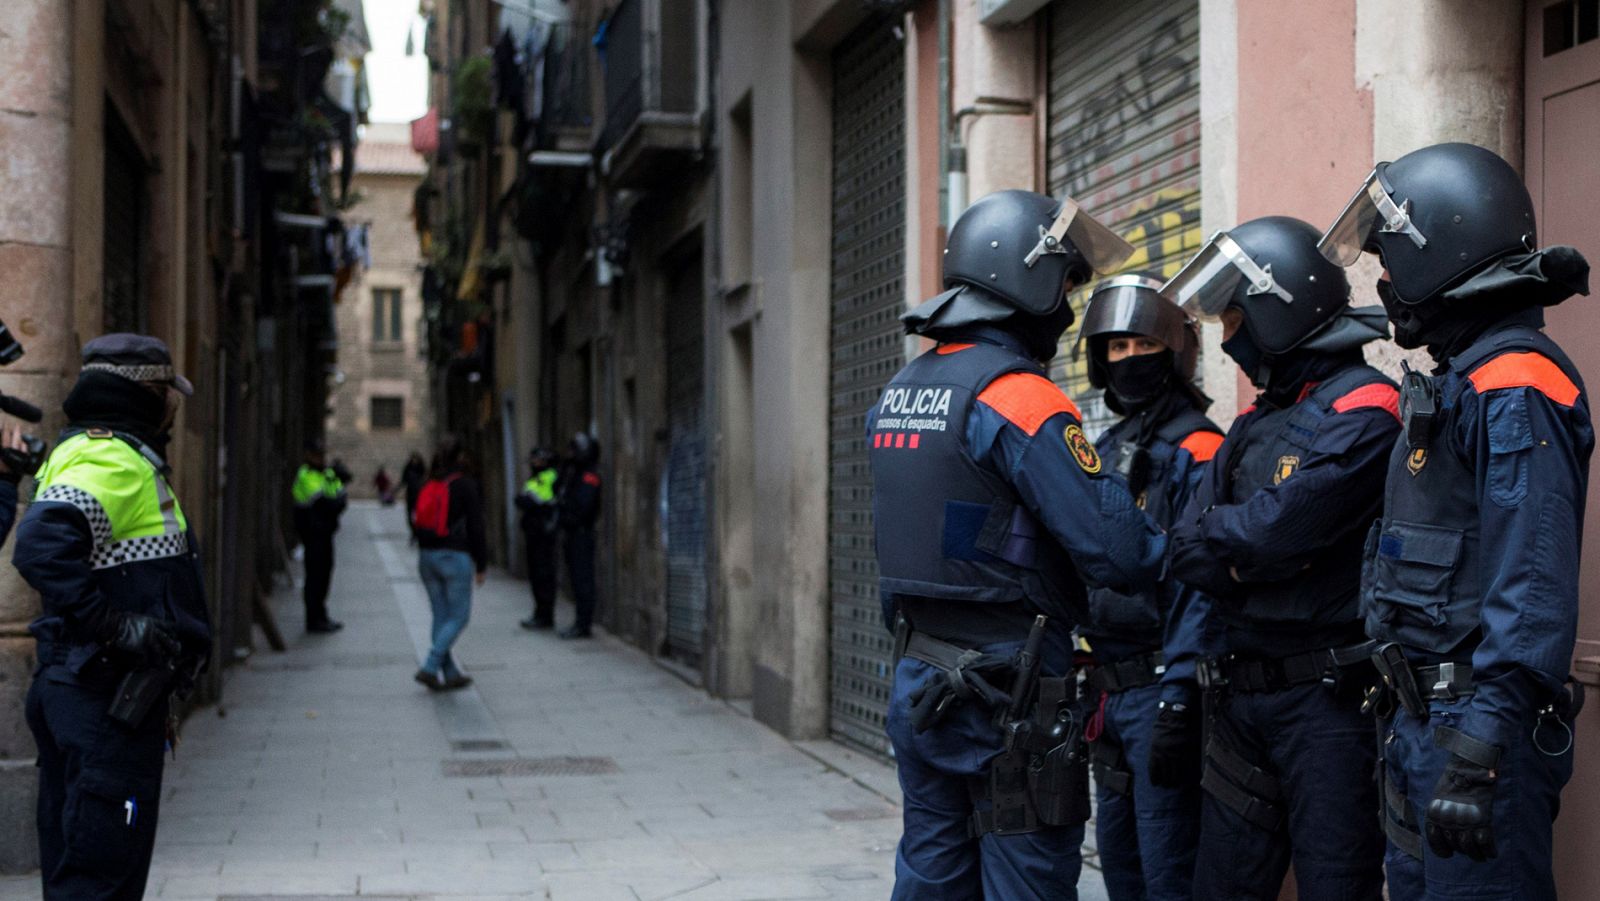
x,y
328,773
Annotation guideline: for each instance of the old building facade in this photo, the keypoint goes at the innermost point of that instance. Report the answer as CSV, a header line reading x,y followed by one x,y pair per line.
x,y
381,406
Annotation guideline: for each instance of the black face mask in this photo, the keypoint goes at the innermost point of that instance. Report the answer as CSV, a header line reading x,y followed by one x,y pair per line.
x,y
1244,351
1136,382
1407,325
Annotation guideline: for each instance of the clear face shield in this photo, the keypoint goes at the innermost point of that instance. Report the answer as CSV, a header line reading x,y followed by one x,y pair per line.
x,y
1100,246
1205,285
1345,240
1128,304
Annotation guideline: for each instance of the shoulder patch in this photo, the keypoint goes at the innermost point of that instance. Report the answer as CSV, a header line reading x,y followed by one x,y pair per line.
x,y
592,479
1026,400
1528,369
1377,394
1201,445
947,349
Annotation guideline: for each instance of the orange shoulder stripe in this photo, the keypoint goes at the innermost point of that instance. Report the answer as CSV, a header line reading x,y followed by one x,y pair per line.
x,y
1027,400
1379,395
947,349
1526,370
1202,445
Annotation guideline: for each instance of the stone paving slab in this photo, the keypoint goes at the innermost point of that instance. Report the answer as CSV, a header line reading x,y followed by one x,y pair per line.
x,y
322,776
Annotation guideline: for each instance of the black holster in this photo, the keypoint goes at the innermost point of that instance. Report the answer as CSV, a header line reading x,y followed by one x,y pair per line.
x,y
1042,778
138,693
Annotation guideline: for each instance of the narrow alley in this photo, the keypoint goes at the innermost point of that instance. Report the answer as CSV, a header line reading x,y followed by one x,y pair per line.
x,y
573,770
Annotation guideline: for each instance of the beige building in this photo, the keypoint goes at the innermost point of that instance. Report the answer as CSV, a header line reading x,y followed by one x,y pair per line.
x,y
380,407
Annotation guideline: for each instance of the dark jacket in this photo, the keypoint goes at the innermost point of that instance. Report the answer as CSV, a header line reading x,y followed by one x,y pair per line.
x,y
466,524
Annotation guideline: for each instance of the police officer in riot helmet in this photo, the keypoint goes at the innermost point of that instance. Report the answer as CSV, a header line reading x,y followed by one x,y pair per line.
x,y
1273,535
1143,350
992,509
1472,590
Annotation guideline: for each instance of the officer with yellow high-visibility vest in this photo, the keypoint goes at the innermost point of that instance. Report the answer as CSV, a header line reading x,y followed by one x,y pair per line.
x,y
319,500
540,522
124,625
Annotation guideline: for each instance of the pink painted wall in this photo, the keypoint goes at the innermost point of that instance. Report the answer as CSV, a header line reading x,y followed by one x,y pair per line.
x,y
1304,127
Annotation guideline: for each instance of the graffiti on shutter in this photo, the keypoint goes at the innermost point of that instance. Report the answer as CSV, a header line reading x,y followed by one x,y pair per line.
x,y
1124,139
686,467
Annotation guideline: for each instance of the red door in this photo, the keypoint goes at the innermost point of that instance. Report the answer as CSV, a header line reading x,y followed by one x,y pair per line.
x,y
1563,173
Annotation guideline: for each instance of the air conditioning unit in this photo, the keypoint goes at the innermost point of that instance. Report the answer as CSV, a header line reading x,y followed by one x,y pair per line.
x,y
1007,12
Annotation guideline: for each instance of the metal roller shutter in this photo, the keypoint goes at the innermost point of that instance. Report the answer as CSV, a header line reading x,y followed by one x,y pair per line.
x,y
867,296
686,468
1124,137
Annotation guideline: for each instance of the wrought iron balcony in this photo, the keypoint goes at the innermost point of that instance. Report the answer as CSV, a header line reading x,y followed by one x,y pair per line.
x,y
651,59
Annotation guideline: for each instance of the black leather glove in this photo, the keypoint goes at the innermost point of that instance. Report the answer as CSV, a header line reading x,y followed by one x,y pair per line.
x,y
1461,815
143,639
1175,752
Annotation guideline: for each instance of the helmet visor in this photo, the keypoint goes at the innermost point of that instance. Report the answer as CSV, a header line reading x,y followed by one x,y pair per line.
x,y
1206,284
1132,304
1372,206
1100,246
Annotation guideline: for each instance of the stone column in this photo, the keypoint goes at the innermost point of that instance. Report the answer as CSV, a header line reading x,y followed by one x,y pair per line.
x,y
36,109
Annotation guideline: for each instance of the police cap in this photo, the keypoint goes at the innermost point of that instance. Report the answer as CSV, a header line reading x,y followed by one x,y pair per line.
x,y
139,358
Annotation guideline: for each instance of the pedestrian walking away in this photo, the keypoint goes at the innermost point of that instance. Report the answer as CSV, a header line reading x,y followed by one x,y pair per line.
x,y
454,553
991,507
1472,575
1273,536
319,501
579,503
1144,730
540,523
124,625
412,477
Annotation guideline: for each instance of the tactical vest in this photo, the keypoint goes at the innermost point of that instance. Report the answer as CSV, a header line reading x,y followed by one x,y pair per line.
x,y
1326,593
1139,618
946,527
131,519
1422,574
542,487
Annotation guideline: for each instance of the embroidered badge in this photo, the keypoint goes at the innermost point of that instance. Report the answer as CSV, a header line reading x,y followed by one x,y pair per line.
x,y
1287,464
1417,459
1082,449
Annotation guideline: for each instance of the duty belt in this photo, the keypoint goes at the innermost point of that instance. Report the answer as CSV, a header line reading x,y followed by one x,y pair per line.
x,y
1414,686
1265,675
1121,675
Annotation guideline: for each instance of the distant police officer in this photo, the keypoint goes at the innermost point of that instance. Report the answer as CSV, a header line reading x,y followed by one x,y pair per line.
x,y
540,522
1142,351
1273,535
108,548
992,508
319,500
579,511
1472,575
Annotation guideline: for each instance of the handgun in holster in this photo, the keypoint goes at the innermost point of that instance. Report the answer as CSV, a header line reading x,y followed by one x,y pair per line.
x,y
1390,659
1133,464
139,692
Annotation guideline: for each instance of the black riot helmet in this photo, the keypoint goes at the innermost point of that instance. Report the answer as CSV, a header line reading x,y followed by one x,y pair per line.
x,y
1270,270
1452,223
1010,260
1435,216
1133,305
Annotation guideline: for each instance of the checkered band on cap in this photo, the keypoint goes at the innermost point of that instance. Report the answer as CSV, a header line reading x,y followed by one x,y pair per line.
x,y
133,550
99,522
143,372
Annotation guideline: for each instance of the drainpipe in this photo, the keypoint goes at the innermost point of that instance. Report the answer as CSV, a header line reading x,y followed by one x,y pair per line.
x,y
956,172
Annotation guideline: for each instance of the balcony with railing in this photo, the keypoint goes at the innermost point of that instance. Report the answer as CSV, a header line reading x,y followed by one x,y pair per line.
x,y
650,55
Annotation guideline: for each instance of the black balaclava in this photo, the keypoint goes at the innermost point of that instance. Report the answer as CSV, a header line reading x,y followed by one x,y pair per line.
x,y
1041,335
1244,351
1135,383
107,401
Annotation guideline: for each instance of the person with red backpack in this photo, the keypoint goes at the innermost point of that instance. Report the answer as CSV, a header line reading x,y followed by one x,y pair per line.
x,y
449,525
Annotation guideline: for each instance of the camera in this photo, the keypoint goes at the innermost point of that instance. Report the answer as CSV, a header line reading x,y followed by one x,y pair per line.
x,y
28,459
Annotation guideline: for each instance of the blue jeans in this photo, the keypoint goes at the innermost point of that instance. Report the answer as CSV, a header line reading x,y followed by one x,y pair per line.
x,y
447,577
1147,837
936,861
1526,798
1322,750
